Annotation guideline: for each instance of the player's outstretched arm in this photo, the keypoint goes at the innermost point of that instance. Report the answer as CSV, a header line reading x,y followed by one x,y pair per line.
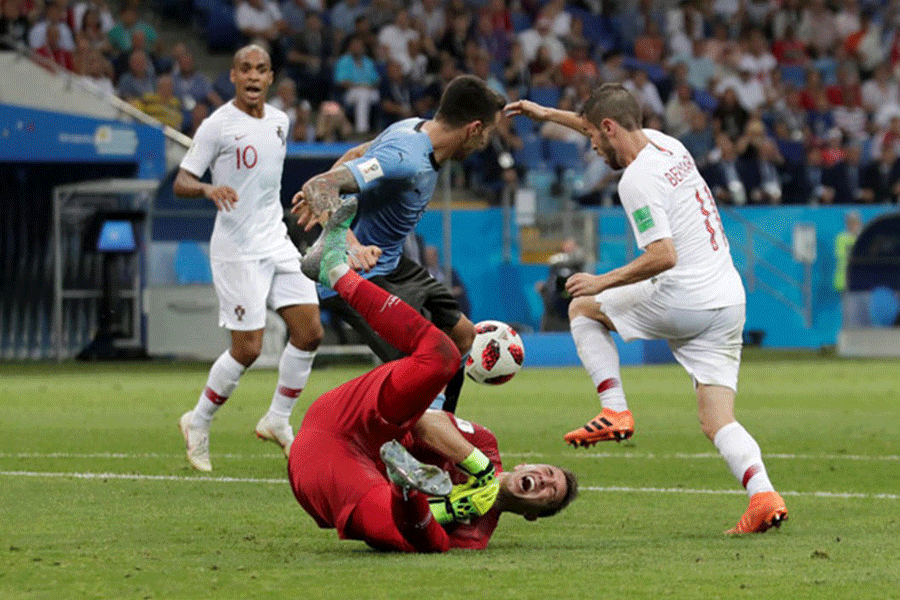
x,y
659,256
321,195
538,112
189,186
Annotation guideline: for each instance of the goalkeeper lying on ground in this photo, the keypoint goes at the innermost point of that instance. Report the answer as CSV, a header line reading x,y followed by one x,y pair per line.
x,y
349,466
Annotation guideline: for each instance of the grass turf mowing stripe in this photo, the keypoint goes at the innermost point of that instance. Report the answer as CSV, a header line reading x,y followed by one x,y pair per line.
x,y
651,490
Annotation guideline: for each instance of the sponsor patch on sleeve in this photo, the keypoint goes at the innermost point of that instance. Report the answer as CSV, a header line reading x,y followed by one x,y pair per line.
x,y
643,219
370,169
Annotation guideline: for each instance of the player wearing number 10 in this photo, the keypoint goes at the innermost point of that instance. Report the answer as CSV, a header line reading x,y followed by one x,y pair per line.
x,y
683,288
254,263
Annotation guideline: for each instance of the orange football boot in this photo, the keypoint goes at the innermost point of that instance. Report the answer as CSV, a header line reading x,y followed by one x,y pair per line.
x,y
766,510
608,425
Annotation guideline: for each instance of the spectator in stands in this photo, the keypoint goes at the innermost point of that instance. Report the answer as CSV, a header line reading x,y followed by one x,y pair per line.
x,y
646,92
847,21
729,117
426,101
551,130
396,95
394,39
261,20
501,17
881,91
786,16
99,72
758,60
821,117
54,19
533,39
365,31
494,41
817,29
92,31
843,177
79,11
578,64
759,158
190,85
432,15
332,124
14,22
382,12
285,99
120,36
344,15
788,49
162,104
846,97
678,111
701,70
309,60
356,76
516,74
612,66
140,79
750,92
55,56
722,173
698,139
294,13
759,12
865,44
880,180
304,129
454,40
649,45
196,116
542,72
482,68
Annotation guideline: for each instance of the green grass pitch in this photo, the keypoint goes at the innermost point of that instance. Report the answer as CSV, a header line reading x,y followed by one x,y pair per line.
x,y
97,500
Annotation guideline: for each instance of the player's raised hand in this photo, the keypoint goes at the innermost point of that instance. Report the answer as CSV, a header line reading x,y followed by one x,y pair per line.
x,y
363,258
528,108
582,284
222,196
300,207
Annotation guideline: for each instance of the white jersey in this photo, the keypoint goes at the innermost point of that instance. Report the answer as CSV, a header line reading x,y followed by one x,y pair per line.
x,y
246,154
665,197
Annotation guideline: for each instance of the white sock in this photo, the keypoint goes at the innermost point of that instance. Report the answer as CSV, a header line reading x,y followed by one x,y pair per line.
x,y
223,379
337,272
293,373
744,458
600,357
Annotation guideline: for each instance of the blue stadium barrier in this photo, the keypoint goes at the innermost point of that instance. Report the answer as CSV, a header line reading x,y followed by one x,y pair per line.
x,y
562,154
883,306
557,349
191,264
546,96
531,155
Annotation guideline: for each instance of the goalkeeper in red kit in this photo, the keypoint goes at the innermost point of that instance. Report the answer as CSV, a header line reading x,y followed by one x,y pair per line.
x,y
372,462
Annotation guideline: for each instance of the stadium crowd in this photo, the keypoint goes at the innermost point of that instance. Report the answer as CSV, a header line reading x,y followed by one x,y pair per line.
x,y
779,101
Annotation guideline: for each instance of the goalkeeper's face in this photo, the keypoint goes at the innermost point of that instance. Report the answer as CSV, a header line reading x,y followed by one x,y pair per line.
x,y
535,489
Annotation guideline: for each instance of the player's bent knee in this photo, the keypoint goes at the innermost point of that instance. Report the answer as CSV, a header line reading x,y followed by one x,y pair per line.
x,y
308,338
582,307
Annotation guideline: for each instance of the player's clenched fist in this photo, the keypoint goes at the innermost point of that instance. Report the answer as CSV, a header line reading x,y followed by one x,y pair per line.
x,y
222,196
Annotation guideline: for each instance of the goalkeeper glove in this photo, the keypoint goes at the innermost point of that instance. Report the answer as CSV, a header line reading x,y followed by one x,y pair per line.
x,y
465,501
480,467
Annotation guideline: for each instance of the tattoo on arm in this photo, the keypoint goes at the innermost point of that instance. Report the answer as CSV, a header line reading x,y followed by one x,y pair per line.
x,y
322,190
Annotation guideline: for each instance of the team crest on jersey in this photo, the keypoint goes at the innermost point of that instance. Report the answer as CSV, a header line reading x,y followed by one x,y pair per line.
x,y
239,312
280,133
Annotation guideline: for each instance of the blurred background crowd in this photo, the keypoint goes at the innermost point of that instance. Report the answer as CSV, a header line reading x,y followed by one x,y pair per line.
x,y
779,101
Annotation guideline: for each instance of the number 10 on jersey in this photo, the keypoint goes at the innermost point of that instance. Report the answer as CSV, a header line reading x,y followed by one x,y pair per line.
x,y
245,156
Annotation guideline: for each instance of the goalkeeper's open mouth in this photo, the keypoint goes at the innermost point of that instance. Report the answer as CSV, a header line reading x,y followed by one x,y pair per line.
x,y
527,483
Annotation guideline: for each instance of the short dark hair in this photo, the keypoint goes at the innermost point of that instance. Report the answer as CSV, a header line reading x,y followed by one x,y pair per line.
x,y
613,101
466,99
571,494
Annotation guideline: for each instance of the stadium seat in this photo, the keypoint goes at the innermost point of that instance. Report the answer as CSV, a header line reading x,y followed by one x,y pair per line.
x,y
191,264
794,75
523,126
531,155
545,96
565,155
883,306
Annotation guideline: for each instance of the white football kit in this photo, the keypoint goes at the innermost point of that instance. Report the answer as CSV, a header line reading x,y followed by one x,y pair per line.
x,y
697,305
254,263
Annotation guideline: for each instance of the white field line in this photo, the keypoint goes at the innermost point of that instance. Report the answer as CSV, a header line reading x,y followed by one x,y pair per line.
x,y
573,454
644,490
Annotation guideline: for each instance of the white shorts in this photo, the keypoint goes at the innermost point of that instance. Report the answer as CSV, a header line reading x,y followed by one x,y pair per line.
x,y
246,287
706,342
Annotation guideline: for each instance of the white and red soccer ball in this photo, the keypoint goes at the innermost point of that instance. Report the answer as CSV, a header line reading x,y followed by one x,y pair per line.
x,y
497,353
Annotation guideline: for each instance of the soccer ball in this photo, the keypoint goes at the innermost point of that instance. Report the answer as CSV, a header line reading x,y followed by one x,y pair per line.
x,y
497,353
